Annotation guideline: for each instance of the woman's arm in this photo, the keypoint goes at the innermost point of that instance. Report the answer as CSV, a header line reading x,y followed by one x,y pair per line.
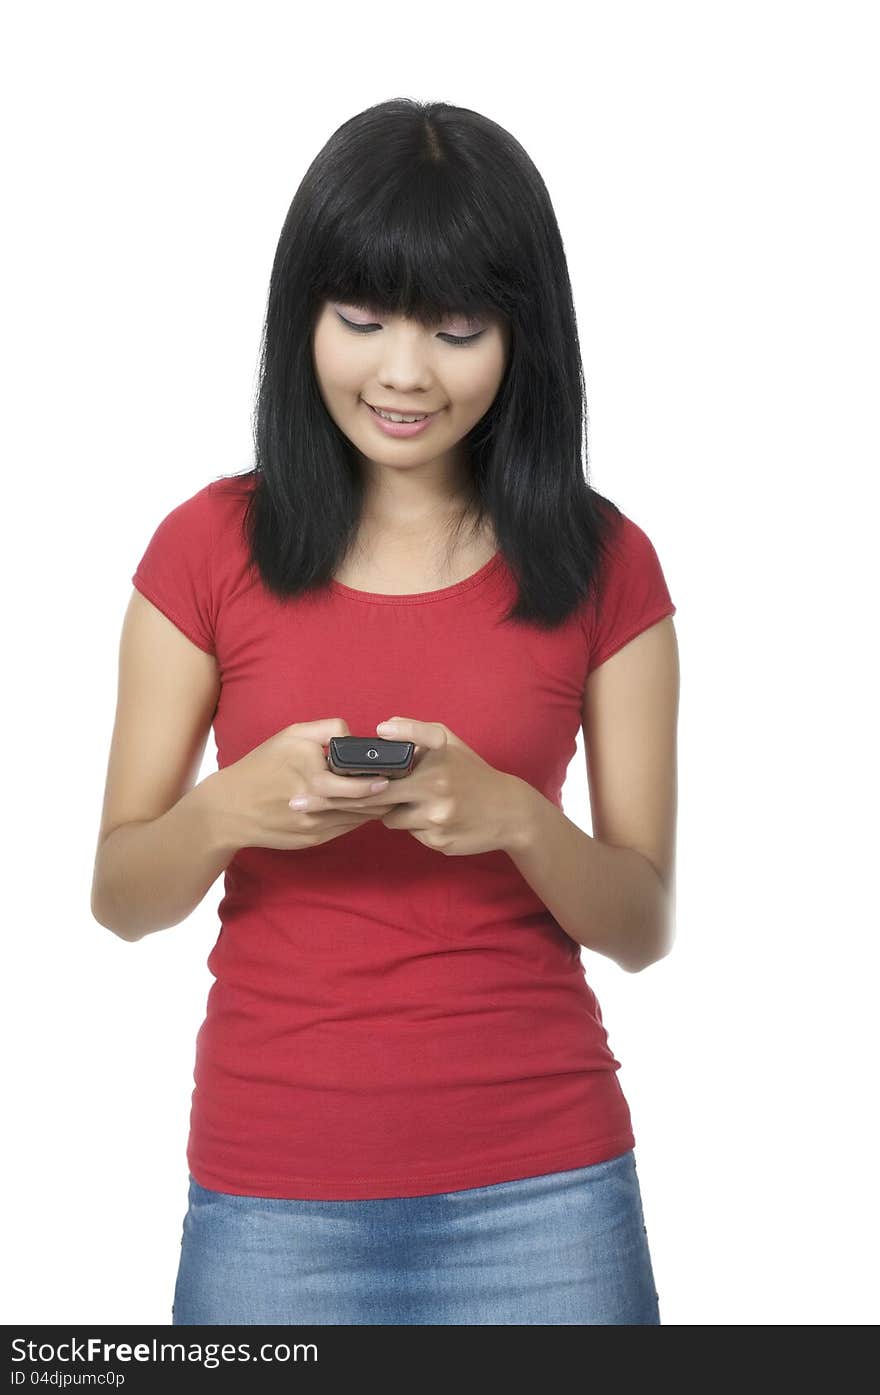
x,y
608,899
163,839
614,892
150,875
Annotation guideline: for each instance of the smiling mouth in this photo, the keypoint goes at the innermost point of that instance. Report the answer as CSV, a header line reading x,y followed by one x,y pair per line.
x,y
394,411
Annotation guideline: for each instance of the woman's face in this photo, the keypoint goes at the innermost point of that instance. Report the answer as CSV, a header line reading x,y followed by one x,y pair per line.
x,y
364,360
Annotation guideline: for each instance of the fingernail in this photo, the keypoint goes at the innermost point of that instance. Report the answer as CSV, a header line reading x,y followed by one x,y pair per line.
x,y
378,785
299,803
388,726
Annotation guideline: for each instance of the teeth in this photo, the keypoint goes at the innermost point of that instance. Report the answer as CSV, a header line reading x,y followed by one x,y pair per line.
x,y
395,416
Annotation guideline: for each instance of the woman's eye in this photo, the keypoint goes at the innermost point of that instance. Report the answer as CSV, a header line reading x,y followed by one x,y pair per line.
x,y
462,339
361,329
453,339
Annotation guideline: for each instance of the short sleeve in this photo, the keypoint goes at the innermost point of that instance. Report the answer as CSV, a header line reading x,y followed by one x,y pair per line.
x,y
633,594
175,572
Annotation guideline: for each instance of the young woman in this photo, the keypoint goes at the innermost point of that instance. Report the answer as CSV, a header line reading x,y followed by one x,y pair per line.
x,y
406,1109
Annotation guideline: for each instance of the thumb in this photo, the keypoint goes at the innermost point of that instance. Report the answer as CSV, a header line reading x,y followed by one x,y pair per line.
x,y
322,729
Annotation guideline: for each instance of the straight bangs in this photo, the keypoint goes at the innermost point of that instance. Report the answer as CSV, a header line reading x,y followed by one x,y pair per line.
x,y
421,245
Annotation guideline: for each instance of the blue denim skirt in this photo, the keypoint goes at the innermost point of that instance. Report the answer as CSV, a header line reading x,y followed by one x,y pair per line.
x,y
564,1247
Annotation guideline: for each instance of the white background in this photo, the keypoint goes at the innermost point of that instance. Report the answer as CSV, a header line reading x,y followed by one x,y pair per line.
x,y
713,170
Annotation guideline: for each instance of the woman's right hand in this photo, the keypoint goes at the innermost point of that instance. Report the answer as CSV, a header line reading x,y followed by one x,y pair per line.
x,y
255,792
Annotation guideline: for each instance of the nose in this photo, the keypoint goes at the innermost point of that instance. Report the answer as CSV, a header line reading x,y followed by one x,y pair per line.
x,y
404,366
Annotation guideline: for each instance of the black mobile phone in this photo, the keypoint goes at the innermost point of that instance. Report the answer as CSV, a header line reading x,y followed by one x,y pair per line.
x,y
370,755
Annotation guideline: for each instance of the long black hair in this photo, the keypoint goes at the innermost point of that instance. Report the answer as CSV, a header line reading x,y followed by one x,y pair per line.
x,y
424,209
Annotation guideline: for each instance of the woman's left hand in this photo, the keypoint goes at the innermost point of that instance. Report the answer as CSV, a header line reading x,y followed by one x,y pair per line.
x,y
452,800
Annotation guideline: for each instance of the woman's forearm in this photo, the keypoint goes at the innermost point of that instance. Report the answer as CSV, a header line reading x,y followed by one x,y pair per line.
x,y
151,875
606,898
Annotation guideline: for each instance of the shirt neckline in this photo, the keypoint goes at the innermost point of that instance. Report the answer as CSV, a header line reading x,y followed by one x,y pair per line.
x,y
420,597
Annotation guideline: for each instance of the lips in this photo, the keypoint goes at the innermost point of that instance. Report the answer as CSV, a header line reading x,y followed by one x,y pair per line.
x,y
400,411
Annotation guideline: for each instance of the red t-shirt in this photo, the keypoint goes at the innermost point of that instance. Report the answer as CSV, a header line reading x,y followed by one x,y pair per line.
x,y
387,1020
